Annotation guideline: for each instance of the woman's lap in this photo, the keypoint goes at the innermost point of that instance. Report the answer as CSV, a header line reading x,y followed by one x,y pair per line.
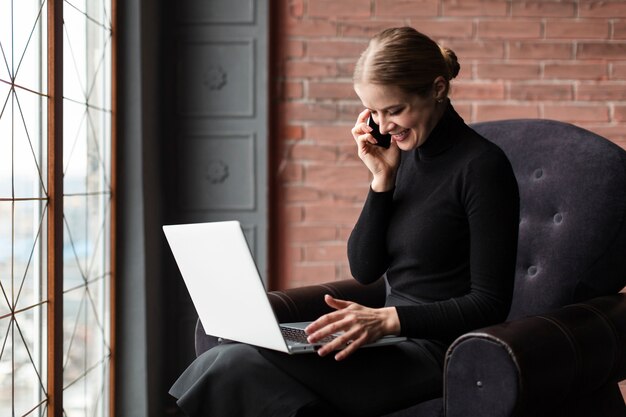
x,y
242,380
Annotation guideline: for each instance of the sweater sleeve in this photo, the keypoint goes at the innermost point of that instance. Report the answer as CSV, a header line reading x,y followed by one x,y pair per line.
x,y
491,200
367,252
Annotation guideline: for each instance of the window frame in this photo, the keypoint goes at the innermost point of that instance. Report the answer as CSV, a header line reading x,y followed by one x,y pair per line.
x,y
55,209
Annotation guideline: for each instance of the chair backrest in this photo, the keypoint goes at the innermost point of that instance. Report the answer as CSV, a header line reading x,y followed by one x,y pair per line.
x,y
572,236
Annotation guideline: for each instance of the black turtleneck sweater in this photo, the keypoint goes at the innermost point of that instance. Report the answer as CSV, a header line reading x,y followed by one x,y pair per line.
x,y
446,235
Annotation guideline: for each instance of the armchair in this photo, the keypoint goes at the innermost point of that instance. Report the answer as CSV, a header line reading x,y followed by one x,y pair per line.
x,y
562,350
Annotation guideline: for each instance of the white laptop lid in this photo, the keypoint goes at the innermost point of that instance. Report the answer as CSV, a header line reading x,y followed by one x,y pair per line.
x,y
224,283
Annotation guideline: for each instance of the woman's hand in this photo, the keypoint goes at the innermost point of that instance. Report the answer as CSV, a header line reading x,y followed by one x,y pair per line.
x,y
360,325
382,163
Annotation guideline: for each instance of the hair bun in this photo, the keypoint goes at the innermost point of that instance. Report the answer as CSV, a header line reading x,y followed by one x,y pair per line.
x,y
451,61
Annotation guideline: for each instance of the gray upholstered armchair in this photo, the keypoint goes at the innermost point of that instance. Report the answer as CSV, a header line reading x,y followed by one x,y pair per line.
x,y
562,351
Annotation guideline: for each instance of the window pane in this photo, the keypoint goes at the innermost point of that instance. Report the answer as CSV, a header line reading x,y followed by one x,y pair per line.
x,y
23,201
87,189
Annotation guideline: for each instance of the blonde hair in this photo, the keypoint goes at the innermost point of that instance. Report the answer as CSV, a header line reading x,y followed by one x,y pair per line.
x,y
405,58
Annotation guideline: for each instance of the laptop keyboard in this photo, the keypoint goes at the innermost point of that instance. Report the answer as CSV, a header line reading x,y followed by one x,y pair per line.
x,y
298,335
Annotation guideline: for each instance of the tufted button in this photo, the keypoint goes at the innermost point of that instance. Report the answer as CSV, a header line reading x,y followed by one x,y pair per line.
x,y
558,218
532,270
479,384
538,173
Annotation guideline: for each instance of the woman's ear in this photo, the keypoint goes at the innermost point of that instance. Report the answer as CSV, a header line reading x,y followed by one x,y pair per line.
x,y
440,89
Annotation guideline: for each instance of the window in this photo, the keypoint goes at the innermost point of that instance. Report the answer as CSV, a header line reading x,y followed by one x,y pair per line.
x,y
55,207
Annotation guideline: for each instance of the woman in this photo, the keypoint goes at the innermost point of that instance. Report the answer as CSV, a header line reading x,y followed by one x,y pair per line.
x,y
440,221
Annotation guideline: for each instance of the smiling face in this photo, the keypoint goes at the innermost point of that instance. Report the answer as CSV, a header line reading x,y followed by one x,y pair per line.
x,y
409,118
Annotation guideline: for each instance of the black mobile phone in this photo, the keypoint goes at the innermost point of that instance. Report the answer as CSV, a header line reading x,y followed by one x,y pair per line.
x,y
381,140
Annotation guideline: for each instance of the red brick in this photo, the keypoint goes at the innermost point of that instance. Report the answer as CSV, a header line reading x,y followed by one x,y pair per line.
x,y
477,91
336,90
601,92
333,176
475,8
309,111
335,49
503,111
476,49
614,133
292,132
619,29
304,234
601,50
574,113
329,133
510,71
302,274
444,28
299,194
292,89
541,50
619,113
325,252
618,71
313,153
509,29
406,8
349,111
602,8
291,172
543,9
293,214
300,69
296,8
575,71
346,68
579,29
331,214
344,232
364,28
295,49
344,271
348,152
311,27
535,92
343,8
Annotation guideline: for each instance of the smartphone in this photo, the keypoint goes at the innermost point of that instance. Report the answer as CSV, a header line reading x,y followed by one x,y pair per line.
x,y
381,140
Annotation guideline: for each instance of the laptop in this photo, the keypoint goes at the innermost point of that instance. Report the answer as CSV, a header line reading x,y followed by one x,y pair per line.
x,y
227,290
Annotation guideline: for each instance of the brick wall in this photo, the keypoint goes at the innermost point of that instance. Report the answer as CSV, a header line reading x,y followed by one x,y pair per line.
x,y
563,60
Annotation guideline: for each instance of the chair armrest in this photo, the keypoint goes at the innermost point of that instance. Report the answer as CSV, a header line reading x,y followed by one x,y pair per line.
x,y
307,303
530,365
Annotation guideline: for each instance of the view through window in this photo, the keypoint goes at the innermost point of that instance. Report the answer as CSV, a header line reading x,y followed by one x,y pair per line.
x,y
25,195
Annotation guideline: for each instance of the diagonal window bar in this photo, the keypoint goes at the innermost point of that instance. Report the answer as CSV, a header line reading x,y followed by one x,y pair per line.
x,y
30,257
91,368
30,90
30,356
74,331
78,262
74,143
32,410
97,71
90,282
30,144
101,230
17,70
95,136
102,25
69,43
96,315
6,63
21,310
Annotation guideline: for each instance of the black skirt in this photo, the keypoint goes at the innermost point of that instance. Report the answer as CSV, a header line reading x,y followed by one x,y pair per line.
x,y
240,380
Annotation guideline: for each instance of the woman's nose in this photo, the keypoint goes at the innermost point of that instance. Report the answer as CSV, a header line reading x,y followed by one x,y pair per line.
x,y
384,125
